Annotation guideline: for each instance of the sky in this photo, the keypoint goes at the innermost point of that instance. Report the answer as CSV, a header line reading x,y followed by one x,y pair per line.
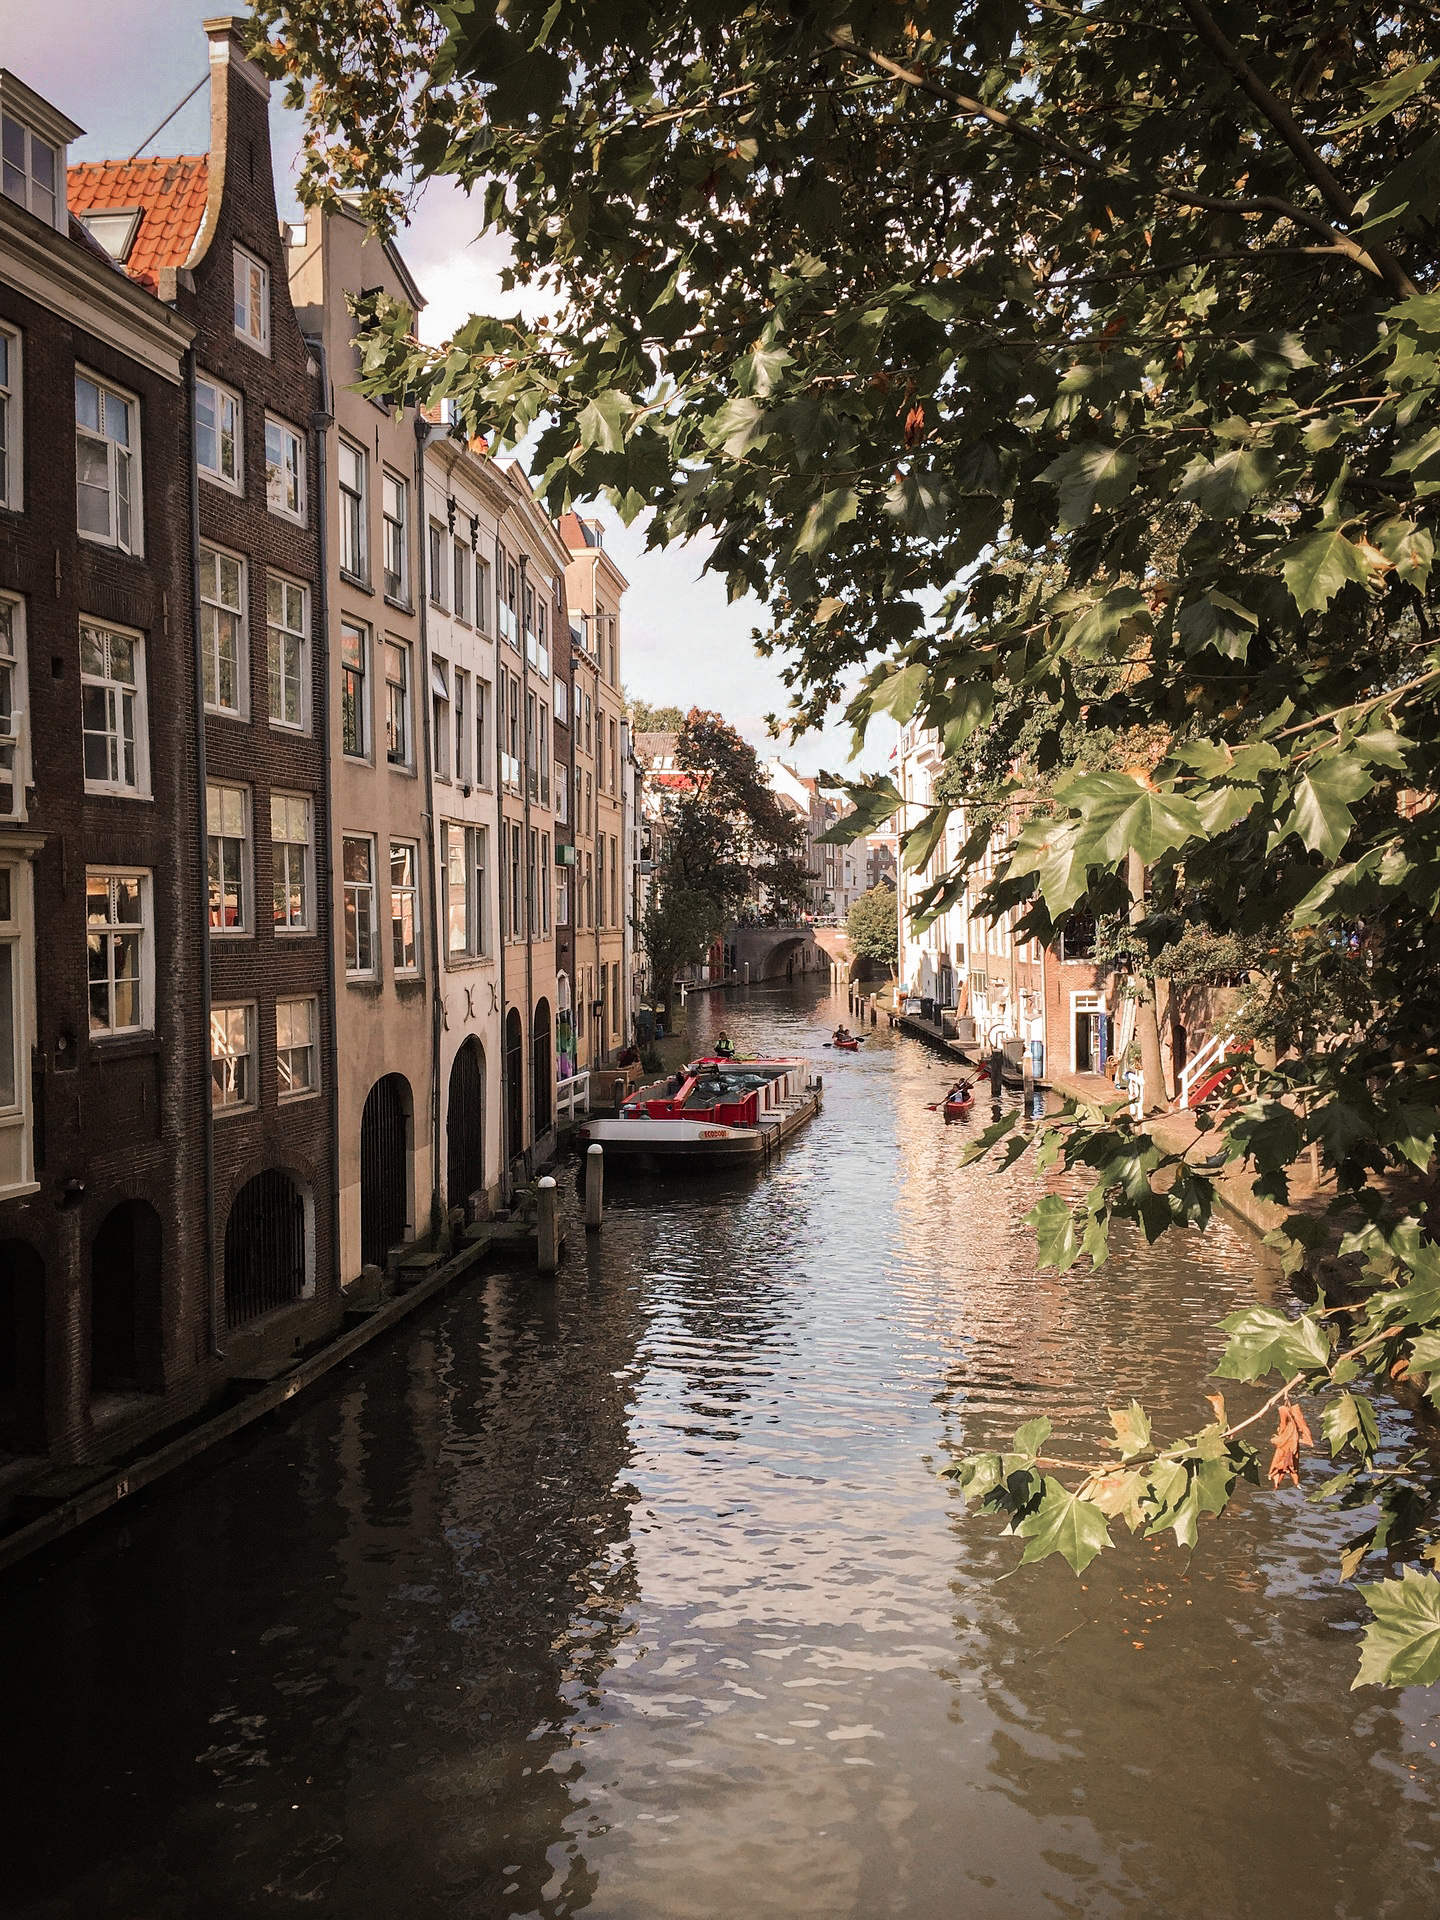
x,y
684,645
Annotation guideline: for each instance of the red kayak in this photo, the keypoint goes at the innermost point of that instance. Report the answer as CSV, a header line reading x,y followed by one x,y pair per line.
x,y
846,1046
956,1105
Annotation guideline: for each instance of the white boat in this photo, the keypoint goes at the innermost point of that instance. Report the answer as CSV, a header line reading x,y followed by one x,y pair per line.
x,y
719,1112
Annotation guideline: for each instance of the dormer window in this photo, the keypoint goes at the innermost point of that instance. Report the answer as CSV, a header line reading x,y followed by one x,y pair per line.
x,y
29,170
114,230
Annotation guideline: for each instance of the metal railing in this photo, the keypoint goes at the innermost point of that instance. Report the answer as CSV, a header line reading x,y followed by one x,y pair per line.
x,y
1203,1065
572,1096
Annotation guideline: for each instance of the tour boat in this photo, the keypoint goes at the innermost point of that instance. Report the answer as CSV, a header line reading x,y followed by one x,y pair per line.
x,y
715,1111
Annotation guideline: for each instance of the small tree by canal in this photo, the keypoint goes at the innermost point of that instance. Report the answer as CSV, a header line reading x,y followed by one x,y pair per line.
x,y
873,926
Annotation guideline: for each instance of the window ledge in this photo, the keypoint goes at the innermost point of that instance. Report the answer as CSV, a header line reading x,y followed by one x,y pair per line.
x,y
400,606
358,582
230,934
123,1045
297,1099
117,793
234,488
234,1112
295,933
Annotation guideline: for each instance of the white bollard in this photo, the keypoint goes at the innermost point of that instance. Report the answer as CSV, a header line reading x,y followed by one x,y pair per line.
x,y
547,1225
594,1187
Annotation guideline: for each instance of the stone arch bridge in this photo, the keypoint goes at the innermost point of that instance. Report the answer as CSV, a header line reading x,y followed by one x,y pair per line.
x,y
797,952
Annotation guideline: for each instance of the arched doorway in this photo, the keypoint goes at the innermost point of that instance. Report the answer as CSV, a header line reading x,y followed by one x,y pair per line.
x,y
22,1348
384,1168
542,1071
125,1300
265,1247
514,1085
465,1125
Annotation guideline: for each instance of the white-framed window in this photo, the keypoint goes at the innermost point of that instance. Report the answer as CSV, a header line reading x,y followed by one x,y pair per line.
x,y
542,887
252,301
227,835
107,464
219,435
292,842
358,862
233,1080
460,598
284,469
222,631
397,703
544,755
113,718
297,1055
404,908
465,859
12,420
287,640
17,1023
119,952
14,731
482,732
562,896
517,881
562,795
30,171
562,702
440,716
462,726
354,690
436,568
395,553
354,548
482,595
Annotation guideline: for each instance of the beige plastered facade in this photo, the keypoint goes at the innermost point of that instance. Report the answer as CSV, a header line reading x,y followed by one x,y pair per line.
x,y
383,1009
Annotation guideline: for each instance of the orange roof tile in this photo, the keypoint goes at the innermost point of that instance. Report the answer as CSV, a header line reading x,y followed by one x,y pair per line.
x,y
171,194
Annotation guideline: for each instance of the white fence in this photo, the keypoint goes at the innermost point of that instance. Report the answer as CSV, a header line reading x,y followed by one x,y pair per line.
x,y
572,1096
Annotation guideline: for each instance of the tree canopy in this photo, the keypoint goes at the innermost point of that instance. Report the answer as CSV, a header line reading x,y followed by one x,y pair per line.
x,y
647,719
873,926
878,298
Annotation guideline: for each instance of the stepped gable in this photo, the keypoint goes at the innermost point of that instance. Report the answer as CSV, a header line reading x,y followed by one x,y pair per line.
x,y
171,195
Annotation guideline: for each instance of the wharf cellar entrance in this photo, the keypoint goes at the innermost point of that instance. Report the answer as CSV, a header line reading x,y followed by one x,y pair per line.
x,y
384,1168
465,1126
265,1254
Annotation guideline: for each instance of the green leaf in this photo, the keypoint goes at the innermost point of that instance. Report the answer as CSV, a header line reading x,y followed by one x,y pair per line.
x,y
1224,488
1030,1438
1320,804
1053,1224
1132,1429
1263,1340
900,694
1405,195
1351,1421
825,519
1052,851
1317,567
1122,815
602,421
1063,1523
996,1131
1388,94
1401,1645
1088,477
1409,548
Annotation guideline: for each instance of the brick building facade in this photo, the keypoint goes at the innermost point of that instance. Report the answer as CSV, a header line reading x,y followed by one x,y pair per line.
x,y
106,1322
264,669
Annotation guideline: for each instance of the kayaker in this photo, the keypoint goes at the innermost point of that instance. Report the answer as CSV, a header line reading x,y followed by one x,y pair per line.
x,y
959,1093
723,1049
842,1034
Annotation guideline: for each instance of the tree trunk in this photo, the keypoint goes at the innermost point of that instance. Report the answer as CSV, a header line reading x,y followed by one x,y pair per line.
x,y
1147,1026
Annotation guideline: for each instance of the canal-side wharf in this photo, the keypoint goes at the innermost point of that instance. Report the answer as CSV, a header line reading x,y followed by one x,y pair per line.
x,y
635,1593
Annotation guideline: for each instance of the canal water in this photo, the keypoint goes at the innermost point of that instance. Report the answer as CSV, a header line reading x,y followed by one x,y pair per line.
x,y
638,1596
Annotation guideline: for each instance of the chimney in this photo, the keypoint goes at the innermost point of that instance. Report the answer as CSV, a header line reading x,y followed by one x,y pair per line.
x,y
226,34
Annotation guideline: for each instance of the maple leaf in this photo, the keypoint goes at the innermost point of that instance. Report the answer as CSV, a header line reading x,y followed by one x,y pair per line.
x,y
1289,1435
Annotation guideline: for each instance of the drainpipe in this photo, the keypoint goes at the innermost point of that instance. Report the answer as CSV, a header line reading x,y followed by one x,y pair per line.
x,y
501,863
213,1274
321,421
422,435
525,845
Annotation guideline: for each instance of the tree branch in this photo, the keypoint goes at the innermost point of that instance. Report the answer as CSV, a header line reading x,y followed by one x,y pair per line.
x,y
1088,163
1291,132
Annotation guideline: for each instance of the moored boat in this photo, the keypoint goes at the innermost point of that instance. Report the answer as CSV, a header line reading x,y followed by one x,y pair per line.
x,y
720,1112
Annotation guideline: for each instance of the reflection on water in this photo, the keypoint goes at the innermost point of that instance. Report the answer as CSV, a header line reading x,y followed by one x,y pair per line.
x,y
639,1596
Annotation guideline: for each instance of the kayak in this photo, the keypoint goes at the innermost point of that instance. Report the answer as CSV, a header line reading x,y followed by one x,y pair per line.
x,y
954,1108
846,1046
